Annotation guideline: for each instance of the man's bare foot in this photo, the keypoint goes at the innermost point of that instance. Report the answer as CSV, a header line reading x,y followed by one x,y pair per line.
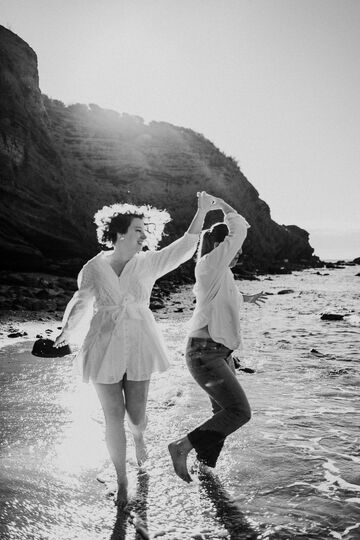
x,y
178,453
140,450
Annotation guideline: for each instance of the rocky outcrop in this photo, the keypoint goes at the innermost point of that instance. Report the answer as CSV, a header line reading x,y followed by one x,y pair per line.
x,y
60,164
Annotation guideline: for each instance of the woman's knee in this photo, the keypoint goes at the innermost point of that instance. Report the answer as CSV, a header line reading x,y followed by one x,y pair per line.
x,y
114,414
137,419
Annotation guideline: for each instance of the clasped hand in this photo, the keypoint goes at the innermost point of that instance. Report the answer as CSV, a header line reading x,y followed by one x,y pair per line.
x,y
206,201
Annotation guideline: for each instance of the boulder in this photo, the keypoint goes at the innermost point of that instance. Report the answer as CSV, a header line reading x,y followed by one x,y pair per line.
x,y
331,317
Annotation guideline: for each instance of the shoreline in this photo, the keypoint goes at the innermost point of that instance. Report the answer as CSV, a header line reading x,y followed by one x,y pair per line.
x,y
46,290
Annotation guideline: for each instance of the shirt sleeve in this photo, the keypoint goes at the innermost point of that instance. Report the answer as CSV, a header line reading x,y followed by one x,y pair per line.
x,y
170,257
79,311
221,256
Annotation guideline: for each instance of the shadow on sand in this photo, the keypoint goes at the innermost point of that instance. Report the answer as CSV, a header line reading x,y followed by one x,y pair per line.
x,y
227,510
135,514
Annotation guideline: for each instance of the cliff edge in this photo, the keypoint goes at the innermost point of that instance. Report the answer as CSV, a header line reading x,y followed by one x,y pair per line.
x,y
59,164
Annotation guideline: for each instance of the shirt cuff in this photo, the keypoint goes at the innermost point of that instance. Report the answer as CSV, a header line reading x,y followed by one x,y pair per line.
x,y
238,217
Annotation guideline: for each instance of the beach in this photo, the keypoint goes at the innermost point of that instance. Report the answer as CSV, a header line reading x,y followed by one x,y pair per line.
x,y
291,473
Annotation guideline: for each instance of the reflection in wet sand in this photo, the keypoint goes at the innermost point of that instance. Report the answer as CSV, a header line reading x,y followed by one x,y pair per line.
x,y
135,514
227,510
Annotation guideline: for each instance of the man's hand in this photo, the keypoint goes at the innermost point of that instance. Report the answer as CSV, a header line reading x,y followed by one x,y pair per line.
x,y
258,298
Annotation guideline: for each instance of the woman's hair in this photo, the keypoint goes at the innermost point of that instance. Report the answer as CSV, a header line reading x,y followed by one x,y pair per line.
x,y
217,233
116,218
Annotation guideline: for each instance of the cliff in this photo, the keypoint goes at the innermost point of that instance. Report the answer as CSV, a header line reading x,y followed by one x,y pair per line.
x,y
59,164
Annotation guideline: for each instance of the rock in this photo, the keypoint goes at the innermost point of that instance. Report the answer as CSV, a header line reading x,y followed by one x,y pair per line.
x,y
12,279
156,304
286,291
17,334
357,260
67,284
247,370
331,317
43,294
316,353
357,275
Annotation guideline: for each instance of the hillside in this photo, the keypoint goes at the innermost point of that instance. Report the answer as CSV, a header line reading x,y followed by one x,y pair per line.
x,y
59,164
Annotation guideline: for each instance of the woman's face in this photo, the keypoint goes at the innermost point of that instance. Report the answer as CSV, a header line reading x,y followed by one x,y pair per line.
x,y
135,236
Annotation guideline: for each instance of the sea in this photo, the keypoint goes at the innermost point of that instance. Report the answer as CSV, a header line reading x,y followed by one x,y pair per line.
x,y
291,473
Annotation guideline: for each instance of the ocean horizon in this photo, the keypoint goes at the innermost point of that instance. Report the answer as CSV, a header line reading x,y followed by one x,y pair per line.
x,y
335,244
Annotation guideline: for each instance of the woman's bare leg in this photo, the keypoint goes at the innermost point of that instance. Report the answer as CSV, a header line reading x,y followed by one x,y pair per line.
x,y
112,402
136,393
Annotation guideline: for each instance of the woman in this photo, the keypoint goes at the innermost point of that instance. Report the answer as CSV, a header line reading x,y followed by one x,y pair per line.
x,y
214,334
122,345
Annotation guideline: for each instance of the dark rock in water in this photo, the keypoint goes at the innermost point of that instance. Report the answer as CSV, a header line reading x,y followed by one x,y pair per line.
x,y
237,365
317,353
17,334
59,164
357,274
331,317
286,291
156,304
357,260
247,370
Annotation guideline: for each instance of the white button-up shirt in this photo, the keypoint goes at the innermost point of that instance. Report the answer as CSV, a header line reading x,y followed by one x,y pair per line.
x,y
218,300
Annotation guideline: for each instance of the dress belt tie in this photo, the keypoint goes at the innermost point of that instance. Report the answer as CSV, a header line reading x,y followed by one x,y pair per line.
x,y
128,310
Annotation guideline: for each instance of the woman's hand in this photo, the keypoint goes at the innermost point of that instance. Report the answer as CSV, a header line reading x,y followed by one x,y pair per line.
x,y
206,202
61,340
258,298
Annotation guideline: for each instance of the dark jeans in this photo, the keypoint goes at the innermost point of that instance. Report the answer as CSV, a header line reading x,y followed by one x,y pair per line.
x,y
212,367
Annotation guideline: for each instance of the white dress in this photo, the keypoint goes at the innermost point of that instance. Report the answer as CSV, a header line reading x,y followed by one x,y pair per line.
x,y
111,319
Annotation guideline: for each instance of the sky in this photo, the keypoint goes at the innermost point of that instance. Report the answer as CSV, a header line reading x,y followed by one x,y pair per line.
x,y
273,83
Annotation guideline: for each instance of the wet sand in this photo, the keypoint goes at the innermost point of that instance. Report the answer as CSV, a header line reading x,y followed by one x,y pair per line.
x,y
291,473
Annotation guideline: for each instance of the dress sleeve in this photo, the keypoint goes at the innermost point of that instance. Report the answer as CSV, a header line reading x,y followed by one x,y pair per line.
x,y
223,254
170,257
79,311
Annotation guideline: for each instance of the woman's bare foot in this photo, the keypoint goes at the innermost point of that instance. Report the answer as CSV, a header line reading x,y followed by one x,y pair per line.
x,y
121,497
179,451
140,450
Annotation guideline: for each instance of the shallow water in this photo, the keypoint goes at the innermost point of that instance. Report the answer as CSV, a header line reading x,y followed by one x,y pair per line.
x,y
291,473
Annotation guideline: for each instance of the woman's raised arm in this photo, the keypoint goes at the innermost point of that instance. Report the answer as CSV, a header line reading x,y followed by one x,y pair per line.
x,y
170,257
